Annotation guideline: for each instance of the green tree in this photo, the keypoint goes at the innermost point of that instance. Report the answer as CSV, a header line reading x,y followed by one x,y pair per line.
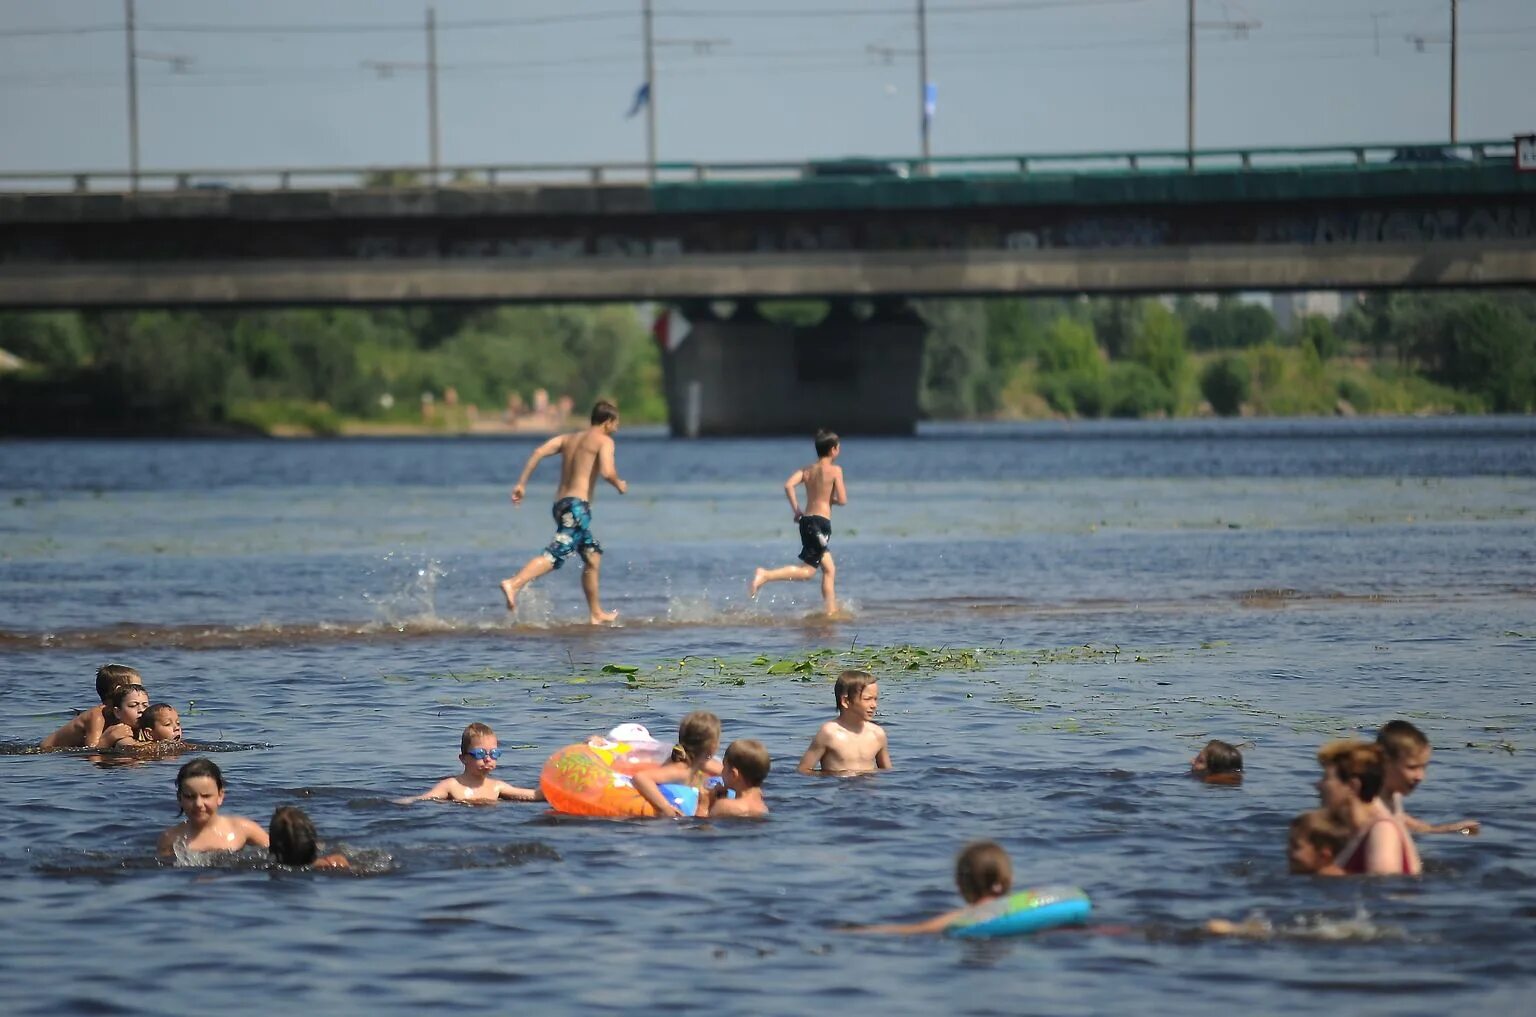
x,y
954,357
1225,383
1159,345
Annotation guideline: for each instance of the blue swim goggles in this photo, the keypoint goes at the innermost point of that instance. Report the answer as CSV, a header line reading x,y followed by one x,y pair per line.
x,y
481,755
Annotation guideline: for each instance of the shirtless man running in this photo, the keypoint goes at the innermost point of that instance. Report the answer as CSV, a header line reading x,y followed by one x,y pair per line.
x,y
824,488
584,456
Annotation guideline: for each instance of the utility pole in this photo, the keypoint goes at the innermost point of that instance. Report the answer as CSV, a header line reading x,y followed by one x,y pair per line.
x,y
924,120
1455,20
1239,30
650,95
435,138
133,100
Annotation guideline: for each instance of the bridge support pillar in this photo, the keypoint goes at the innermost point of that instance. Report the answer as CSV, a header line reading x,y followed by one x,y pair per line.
x,y
745,375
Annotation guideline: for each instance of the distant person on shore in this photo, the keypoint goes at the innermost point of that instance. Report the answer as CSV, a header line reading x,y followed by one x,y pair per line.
x,y
129,703
1218,763
200,793
584,456
824,488
1407,753
478,752
292,841
983,872
1351,791
853,743
744,769
85,730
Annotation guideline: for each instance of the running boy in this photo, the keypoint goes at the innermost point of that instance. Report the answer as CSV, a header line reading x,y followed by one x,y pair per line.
x,y
824,488
1407,754
853,743
584,456
745,768
86,728
475,786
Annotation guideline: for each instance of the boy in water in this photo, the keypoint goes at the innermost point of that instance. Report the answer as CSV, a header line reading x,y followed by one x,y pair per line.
x,y
824,488
1407,751
1218,763
853,743
744,769
475,786
983,872
1315,839
87,727
584,456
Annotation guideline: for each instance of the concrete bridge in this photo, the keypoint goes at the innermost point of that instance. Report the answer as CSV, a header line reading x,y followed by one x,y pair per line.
x,y
1353,217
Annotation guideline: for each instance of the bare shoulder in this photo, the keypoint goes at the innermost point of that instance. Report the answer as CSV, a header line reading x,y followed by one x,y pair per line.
x,y
166,845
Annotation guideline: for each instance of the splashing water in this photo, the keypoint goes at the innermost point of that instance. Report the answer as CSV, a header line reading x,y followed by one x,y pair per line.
x,y
414,603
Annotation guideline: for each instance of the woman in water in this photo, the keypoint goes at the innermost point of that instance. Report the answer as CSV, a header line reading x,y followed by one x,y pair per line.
x,y
1350,789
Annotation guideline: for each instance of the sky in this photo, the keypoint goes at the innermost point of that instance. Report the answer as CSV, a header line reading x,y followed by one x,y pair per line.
x,y
287,83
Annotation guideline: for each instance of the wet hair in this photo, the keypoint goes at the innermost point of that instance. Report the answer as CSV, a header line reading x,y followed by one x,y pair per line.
x,y
851,685
110,676
826,441
199,767
122,692
1321,830
1398,738
750,758
1355,760
147,718
473,731
1221,757
697,736
983,869
604,411
292,836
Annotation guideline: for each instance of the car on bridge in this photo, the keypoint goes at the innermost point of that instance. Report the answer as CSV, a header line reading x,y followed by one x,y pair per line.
x,y
853,166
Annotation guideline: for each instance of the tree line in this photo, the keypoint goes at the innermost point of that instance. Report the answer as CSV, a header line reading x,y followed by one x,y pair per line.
x,y
318,369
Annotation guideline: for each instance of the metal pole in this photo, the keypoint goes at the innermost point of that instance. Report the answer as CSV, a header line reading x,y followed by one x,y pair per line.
x,y
434,138
650,96
922,80
133,100
1189,90
1455,19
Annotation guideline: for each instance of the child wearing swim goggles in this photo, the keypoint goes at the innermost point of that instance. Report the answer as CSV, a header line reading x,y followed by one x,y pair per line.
x,y
478,752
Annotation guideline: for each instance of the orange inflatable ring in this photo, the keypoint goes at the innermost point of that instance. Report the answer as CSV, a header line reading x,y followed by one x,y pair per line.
x,y
589,780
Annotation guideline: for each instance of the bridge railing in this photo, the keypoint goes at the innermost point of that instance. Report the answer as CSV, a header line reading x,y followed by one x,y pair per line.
x,y
1223,160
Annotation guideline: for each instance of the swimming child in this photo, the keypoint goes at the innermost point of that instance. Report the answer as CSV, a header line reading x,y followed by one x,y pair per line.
x,y
200,793
292,841
1407,753
745,768
128,705
584,457
84,731
478,752
1350,789
1218,763
824,488
160,723
1314,841
698,736
983,872
853,743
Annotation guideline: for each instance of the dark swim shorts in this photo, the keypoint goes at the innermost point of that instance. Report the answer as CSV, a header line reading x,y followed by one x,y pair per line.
x,y
815,531
573,531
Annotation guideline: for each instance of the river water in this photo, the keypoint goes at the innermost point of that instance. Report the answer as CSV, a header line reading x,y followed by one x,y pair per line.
x,y
1092,603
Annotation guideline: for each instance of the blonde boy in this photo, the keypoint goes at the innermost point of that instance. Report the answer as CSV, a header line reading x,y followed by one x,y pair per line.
x,y
478,753
853,743
87,727
1406,750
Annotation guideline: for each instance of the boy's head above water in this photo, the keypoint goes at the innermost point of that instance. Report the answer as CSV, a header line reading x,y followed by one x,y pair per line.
x,y
110,677
857,691
478,749
749,758
983,870
1316,838
826,442
161,723
1406,753
1217,758
292,836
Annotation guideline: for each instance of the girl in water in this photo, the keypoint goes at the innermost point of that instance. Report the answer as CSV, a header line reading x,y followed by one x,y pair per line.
x,y
698,736
1350,789
199,793
983,872
292,841
124,709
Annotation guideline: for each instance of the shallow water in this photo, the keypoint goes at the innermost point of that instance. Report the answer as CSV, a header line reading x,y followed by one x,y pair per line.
x,y
325,614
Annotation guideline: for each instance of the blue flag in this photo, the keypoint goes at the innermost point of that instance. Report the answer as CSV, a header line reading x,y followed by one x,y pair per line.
x,y
642,96
930,100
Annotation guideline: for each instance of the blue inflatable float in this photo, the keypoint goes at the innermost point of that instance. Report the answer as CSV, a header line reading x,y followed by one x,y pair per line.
x,y
1022,912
